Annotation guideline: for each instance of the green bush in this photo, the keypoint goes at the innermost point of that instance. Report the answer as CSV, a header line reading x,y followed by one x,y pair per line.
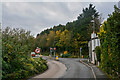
x,y
110,45
21,74
66,55
44,67
26,70
16,59
98,53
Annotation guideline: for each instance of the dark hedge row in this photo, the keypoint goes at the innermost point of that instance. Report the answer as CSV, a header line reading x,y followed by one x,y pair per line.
x,y
110,45
17,63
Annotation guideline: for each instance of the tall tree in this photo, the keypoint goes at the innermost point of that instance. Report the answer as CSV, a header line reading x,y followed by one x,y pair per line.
x,y
50,39
67,34
110,39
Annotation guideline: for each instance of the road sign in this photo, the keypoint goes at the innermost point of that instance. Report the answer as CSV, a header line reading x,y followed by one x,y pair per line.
x,y
81,48
37,50
54,51
56,57
80,52
54,48
51,49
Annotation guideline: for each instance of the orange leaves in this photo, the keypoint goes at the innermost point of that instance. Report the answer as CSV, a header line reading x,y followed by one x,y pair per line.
x,y
65,52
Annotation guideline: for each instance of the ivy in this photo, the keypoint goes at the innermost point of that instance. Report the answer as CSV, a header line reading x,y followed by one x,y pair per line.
x,y
110,45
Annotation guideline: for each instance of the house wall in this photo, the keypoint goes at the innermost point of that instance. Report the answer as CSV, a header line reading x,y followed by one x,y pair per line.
x,y
93,43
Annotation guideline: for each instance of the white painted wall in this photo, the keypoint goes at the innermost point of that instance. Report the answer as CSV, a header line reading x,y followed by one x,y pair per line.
x,y
95,42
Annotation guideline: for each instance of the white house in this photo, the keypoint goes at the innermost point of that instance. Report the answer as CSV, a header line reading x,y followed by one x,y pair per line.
x,y
92,45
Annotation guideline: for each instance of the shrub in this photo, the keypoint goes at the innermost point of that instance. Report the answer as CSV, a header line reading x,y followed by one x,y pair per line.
x,y
66,55
16,61
98,53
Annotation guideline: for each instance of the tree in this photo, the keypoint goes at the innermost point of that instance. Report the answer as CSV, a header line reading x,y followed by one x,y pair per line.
x,y
65,38
98,53
17,44
41,41
50,39
74,34
109,36
83,23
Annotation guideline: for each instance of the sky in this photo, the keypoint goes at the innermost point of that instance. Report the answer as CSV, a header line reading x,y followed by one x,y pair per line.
x,y
38,16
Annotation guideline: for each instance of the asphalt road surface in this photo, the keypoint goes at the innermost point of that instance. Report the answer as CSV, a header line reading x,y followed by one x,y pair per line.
x,y
75,69
56,69
69,68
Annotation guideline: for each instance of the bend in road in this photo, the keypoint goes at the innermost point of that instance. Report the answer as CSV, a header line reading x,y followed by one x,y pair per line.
x,y
75,69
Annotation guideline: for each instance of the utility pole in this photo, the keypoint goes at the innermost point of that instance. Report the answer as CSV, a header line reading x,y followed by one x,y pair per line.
x,y
54,51
54,47
80,51
50,51
93,40
93,23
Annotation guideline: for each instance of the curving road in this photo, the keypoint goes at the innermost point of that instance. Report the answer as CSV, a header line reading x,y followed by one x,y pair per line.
x,y
69,68
75,69
56,69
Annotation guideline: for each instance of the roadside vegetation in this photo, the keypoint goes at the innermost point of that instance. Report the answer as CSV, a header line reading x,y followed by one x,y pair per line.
x,y
108,53
72,36
17,45
17,64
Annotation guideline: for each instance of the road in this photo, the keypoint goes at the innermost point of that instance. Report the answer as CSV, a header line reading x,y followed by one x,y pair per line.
x,y
75,69
69,68
56,69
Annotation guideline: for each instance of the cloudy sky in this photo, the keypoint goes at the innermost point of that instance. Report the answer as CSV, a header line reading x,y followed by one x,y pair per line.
x,y
37,16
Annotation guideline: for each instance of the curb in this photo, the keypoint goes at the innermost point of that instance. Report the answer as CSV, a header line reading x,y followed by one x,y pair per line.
x,y
90,68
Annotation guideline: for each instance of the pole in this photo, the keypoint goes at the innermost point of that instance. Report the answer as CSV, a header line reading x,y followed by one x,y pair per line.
x,y
37,57
54,53
93,23
94,39
54,47
80,52
50,51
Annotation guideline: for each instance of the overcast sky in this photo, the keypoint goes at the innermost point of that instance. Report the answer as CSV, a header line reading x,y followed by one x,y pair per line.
x,y
37,16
